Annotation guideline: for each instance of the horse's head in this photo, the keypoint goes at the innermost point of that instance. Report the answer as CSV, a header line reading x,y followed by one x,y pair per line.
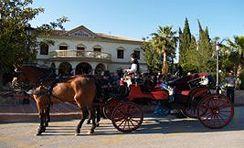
x,y
19,76
26,74
32,75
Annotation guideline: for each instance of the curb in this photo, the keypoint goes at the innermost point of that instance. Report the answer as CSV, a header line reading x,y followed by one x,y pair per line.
x,y
33,117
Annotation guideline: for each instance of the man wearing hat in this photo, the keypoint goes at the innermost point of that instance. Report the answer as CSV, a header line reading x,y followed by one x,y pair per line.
x,y
230,85
134,70
134,65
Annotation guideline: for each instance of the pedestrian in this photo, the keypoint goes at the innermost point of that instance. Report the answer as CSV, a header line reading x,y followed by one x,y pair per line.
x,y
230,86
238,83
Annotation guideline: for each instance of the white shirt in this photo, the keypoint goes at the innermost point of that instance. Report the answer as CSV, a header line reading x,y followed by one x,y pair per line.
x,y
133,68
230,81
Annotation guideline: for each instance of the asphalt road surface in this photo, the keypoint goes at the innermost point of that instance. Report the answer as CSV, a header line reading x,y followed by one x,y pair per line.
x,y
155,132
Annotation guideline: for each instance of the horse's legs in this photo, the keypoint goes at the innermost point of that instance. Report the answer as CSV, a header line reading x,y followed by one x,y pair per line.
x,y
98,113
89,118
42,120
91,112
83,118
48,109
47,115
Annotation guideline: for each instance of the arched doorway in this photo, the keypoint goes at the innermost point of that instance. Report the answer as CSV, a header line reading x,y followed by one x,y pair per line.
x,y
53,68
99,69
65,68
83,68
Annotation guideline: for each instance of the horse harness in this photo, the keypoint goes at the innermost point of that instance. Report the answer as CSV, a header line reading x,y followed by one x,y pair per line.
x,y
49,88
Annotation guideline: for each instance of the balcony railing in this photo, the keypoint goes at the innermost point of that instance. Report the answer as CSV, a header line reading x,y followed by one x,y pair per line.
x,y
78,53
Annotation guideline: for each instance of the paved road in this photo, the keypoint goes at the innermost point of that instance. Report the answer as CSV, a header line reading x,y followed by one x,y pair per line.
x,y
155,132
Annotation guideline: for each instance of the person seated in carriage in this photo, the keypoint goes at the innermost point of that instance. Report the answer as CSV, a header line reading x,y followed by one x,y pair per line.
x,y
134,71
135,67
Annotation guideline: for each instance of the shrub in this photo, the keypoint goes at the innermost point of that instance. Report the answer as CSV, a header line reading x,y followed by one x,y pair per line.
x,y
242,80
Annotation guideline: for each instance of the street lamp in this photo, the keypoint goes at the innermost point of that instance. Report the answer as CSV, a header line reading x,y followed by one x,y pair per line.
x,y
218,45
28,32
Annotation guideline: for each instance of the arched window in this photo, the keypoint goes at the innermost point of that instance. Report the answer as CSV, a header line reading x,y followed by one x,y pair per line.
x,y
137,53
80,47
120,53
63,46
44,49
97,48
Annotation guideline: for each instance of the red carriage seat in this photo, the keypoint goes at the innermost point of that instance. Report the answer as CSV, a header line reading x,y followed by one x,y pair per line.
x,y
159,94
155,94
185,92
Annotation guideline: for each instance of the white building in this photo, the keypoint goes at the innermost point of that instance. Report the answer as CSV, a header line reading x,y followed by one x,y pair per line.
x,y
84,51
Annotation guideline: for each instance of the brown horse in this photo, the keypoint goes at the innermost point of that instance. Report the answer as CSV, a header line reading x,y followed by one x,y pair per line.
x,y
77,89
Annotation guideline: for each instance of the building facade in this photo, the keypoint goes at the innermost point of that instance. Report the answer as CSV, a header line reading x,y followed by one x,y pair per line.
x,y
82,51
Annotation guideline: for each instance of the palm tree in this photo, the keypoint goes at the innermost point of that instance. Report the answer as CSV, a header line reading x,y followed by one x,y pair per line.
x,y
165,42
238,47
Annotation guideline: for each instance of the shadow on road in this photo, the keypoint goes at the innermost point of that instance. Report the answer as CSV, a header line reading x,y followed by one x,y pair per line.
x,y
151,125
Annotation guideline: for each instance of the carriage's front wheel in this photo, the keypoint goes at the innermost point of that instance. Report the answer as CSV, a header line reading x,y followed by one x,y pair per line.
x,y
123,91
215,111
127,117
109,106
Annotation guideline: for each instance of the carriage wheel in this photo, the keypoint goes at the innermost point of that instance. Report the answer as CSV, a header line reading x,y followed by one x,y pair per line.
x,y
195,96
127,117
123,90
215,111
109,107
190,112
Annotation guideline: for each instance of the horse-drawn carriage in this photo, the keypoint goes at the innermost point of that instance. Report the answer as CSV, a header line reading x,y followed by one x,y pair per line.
x,y
186,94
189,94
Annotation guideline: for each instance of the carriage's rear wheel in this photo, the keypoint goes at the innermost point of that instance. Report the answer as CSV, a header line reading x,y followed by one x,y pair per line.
x,y
215,111
195,96
127,117
109,107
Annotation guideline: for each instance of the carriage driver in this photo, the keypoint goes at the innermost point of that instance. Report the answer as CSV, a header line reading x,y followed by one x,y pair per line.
x,y
133,72
134,65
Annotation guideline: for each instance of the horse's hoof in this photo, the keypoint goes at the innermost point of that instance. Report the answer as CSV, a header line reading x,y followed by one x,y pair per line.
x,y
39,133
43,129
46,125
77,134
97,125
90,132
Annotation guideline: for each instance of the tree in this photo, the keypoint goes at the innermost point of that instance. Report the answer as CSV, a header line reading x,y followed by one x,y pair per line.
x,y
15,16
16,44
191,63
152,57
237,50
185,38
205,50
164,42
189,56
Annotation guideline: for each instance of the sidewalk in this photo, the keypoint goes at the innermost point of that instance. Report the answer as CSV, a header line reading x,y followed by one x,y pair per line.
x,y
239,97
28,112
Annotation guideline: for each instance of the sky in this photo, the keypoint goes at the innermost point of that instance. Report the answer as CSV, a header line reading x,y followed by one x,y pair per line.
x,y
139,18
